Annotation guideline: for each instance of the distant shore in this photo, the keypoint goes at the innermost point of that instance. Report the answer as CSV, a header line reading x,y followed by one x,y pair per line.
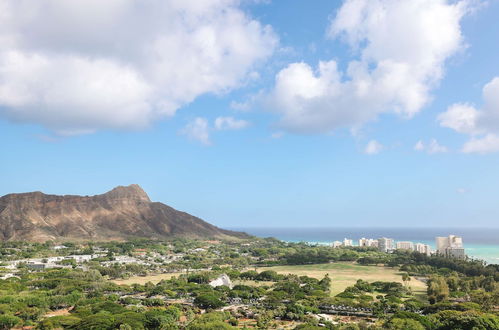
x,y
479,243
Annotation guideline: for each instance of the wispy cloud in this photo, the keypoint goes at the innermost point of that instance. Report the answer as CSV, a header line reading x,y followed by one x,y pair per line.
x,y
373,147
433,147
198,130
230,123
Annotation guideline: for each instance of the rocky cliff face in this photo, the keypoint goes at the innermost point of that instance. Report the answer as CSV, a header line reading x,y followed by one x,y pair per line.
x,y
121,213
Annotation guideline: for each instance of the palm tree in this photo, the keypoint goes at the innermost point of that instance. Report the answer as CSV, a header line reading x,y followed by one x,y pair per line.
x,y
406,278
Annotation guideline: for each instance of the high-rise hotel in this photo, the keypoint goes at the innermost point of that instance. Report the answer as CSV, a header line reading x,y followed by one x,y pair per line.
x,y
451,246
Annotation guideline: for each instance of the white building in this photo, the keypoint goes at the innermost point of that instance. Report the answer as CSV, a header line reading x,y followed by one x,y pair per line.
x,y
347,242
451,246
405,246
79,258
386,244
368,242
422,248
445,242
336,244
457,253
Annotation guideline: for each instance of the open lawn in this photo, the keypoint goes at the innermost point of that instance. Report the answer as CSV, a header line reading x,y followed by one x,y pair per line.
x,y
344,274
144,279
166,276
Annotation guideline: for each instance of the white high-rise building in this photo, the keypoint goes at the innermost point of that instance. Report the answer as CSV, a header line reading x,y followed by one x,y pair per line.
x,y
368,242
386,244
405,246
422,248
451,246
347,242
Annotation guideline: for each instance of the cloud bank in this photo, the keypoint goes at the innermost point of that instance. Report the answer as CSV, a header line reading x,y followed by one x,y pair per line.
x,y
84,65
401,48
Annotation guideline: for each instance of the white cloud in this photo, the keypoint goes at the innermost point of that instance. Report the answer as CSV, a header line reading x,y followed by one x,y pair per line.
x,y
402,48
460,117
481,124
462,191
198,129
419,146
433,147
230,123
85,65
487,144
373,147
240,106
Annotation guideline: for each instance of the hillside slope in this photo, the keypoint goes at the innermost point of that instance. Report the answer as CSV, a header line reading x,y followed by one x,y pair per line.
x,y
122,213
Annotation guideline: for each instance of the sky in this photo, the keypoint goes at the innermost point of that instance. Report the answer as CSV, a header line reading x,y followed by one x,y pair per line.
x,y
257,113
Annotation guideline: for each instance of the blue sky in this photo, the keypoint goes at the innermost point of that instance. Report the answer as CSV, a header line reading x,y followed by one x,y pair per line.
x,y
225,114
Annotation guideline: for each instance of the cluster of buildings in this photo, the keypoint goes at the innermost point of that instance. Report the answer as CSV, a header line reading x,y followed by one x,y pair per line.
x,y
451,246
51,262
139,257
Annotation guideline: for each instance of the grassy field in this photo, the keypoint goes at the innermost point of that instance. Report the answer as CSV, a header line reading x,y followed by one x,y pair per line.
x,y
144,279
158,277
342,274
346,274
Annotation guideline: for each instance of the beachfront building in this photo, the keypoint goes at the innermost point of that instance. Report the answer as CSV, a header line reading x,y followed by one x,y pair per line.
x,y
336,244
445,242
405,246
386,244
422,248
457,253
451,247
347,242
368,242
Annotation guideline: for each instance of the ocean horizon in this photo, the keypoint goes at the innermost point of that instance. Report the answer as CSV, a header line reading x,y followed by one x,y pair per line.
x,y
479,243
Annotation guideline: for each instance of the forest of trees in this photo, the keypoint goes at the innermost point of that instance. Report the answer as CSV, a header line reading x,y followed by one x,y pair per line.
x,y
461,294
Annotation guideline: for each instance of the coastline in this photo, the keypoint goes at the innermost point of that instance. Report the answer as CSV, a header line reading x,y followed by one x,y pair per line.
x,y
479,243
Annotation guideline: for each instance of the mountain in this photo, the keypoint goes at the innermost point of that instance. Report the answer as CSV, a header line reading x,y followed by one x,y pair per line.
x,y
122,213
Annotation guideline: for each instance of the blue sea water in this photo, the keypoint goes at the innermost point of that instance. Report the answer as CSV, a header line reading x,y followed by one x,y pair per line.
x,y
479,243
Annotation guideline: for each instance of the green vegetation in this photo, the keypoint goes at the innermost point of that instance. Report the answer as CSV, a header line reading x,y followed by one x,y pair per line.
x,y
166,285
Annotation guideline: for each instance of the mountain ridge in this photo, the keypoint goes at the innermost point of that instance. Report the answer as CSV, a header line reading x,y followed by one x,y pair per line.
x,y
119,214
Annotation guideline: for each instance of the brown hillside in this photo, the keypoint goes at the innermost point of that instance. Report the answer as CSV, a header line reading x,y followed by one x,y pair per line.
x,y
122,213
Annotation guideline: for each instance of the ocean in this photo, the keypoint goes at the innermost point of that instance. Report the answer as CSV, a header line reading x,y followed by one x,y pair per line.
x,y
479,243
